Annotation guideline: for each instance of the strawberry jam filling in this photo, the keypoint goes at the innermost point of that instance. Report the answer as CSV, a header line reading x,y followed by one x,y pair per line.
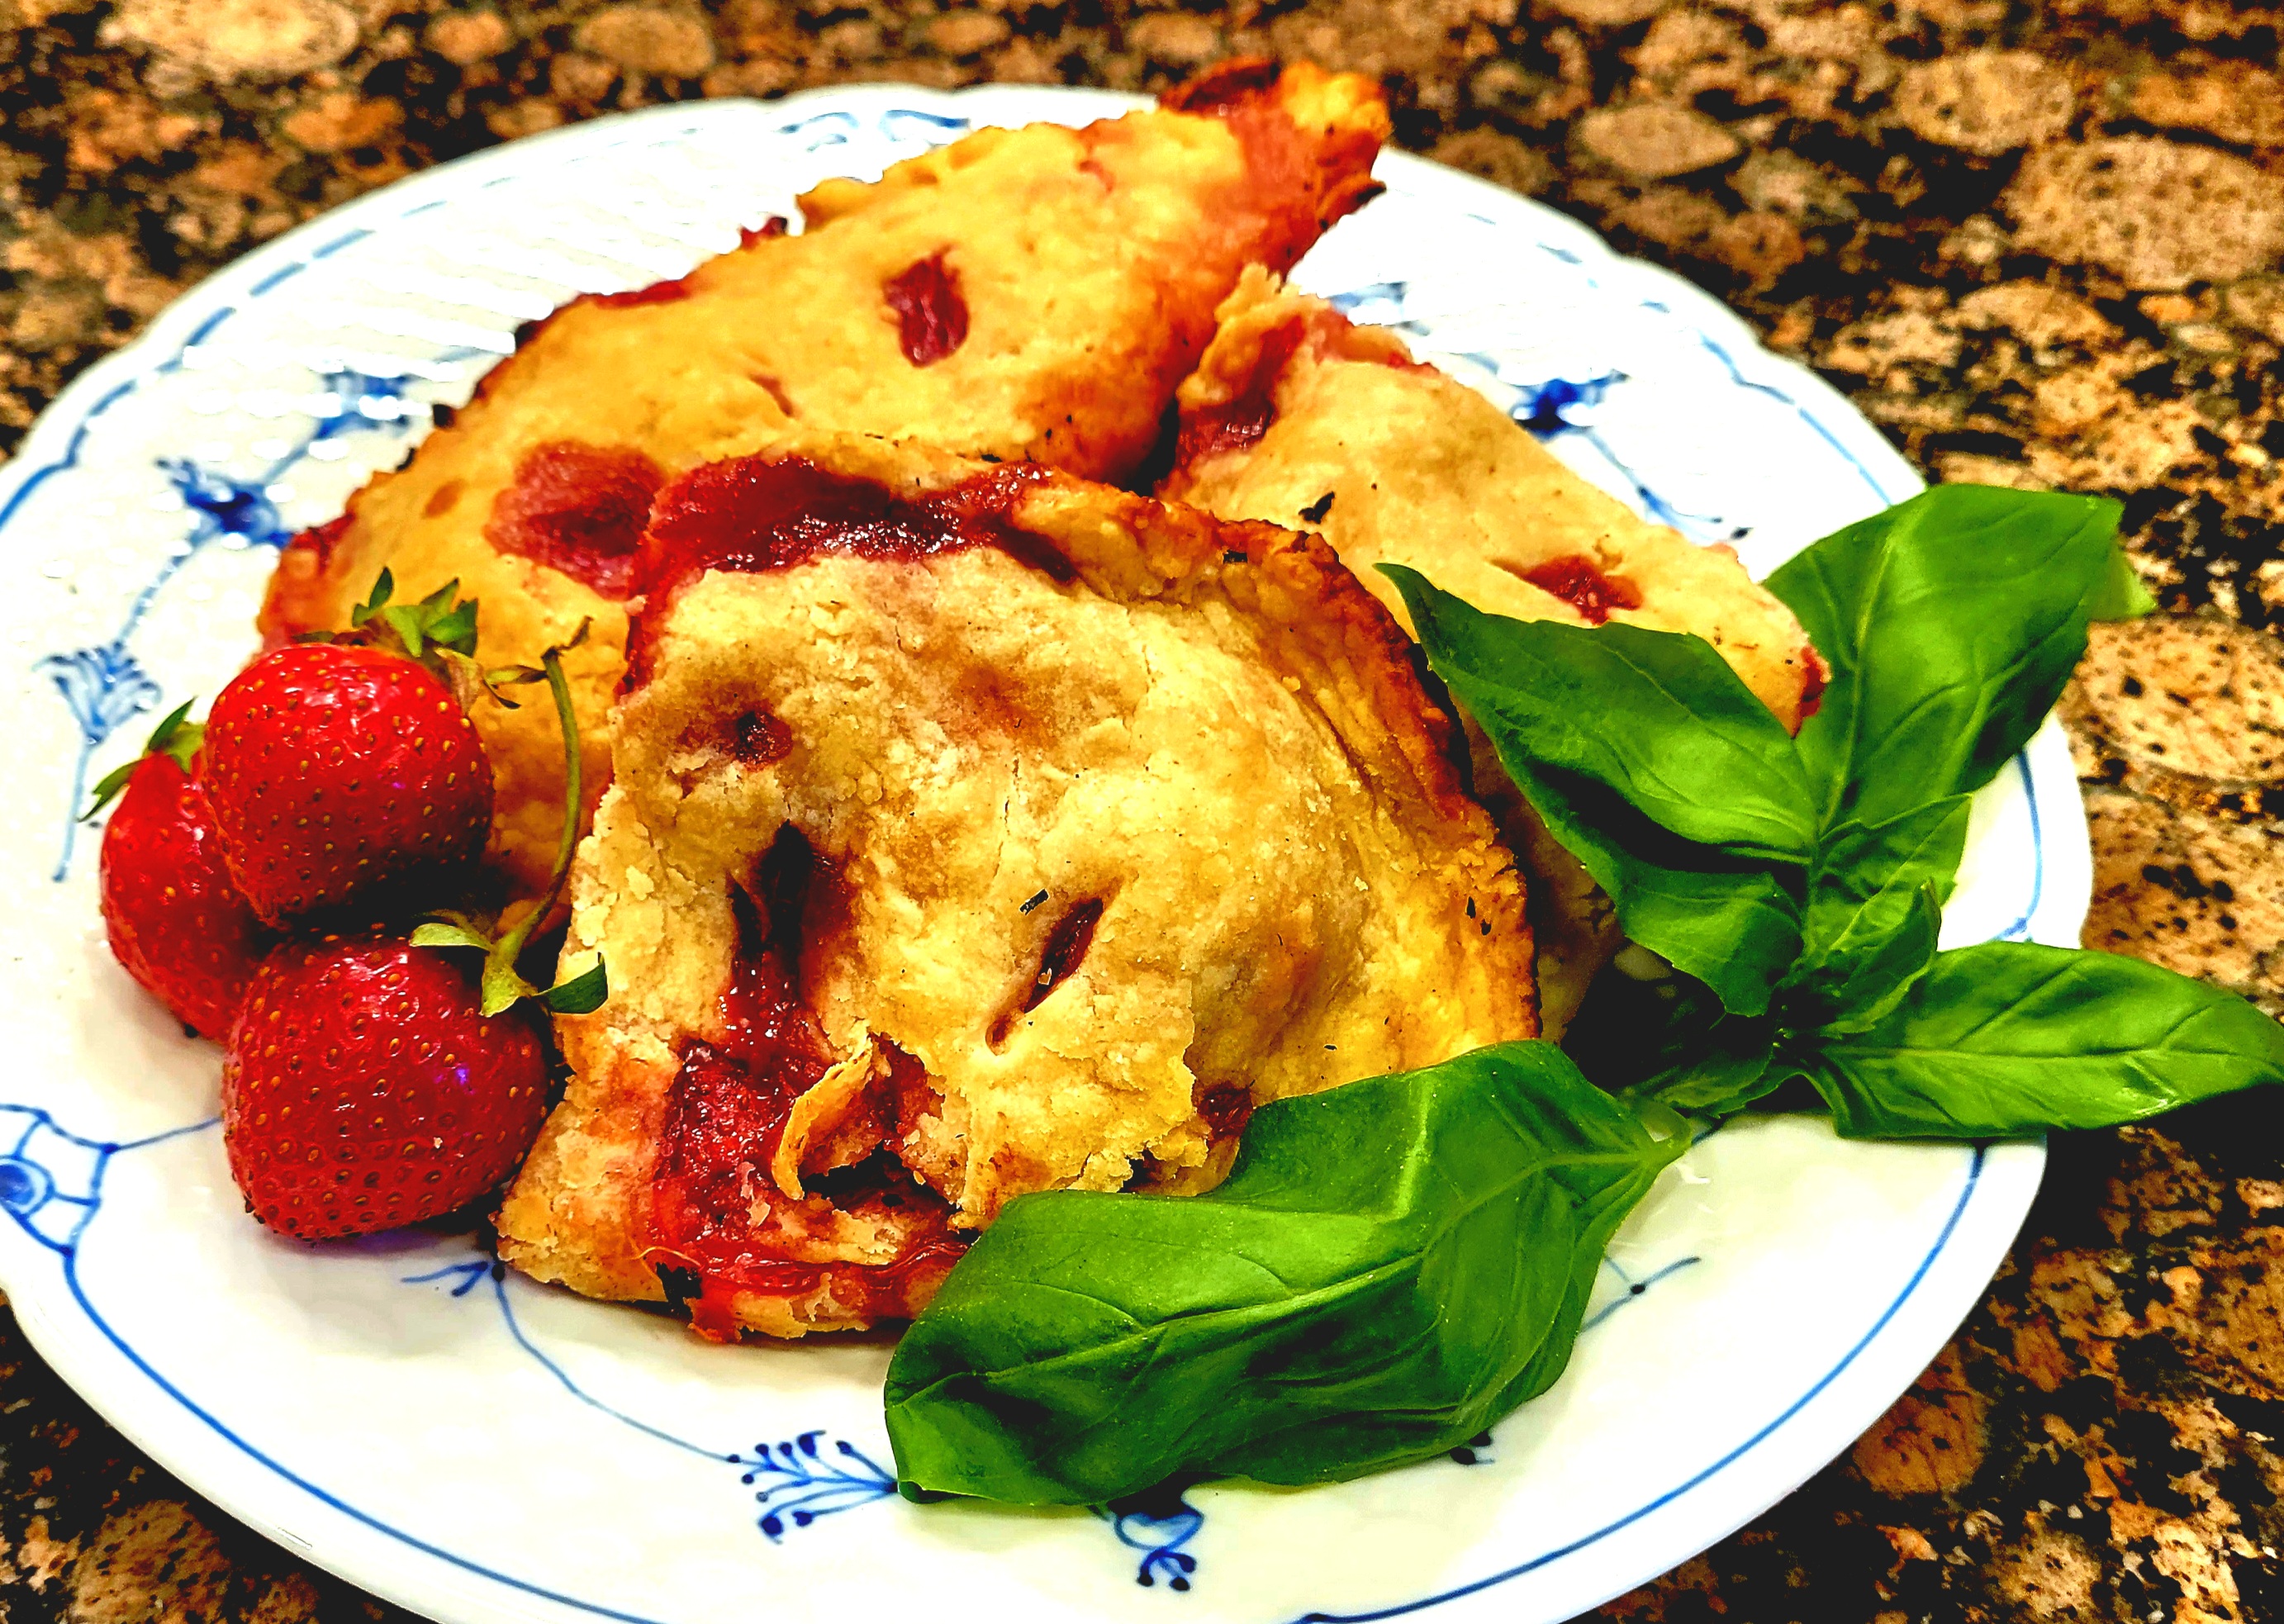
x,y
1241,420
931,316
712,1200
759,513
674,289
579,509
1579,582
1813,680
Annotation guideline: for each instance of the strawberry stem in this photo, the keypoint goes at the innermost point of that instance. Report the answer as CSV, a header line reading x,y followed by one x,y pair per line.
x,y
574,797
503,983
501,977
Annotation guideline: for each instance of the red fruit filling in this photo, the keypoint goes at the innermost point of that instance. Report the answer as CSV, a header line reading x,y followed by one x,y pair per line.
x,y
578,508
1243,418
931,316
712,1194
760,513
1579,582
1813,680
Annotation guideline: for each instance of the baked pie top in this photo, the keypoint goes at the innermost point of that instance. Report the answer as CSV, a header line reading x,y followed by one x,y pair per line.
x,y
1031,293
975,831
1299,416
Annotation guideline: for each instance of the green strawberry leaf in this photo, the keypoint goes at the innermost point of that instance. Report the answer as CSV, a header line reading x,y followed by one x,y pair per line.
x,y
438,625
450,931
173,736
581,994
503,985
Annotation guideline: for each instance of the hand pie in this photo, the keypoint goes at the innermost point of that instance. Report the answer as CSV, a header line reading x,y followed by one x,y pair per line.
x,y
1033,294
975,831
1299,417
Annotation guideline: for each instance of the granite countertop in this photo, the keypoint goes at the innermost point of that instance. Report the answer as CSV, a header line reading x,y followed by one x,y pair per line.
x,y
2037,246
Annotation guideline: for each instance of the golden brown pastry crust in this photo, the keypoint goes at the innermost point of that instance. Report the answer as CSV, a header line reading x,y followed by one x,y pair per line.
x,y
1085,264
1294,404
1205,732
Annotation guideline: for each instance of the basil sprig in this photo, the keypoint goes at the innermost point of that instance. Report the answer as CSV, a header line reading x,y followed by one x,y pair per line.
x,y
1950,623
1396,1264
1393,1266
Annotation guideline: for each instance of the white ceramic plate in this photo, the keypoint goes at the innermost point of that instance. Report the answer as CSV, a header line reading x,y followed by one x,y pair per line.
x,y
484,1451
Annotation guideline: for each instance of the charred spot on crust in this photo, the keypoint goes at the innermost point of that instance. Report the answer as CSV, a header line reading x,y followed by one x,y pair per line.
x,y
1579,582
680,1285
931,316
1240,79
1315,511
758,739
579,509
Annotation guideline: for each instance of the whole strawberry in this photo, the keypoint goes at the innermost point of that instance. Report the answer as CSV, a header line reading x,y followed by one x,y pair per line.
x,y
373,1081
364,1088
343,775
172,915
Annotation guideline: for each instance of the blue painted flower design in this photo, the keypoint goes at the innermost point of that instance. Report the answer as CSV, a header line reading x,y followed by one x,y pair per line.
x,y
1549,407
799,1480
1634,1287
1160,1524
1475,1452
103,686
52,1179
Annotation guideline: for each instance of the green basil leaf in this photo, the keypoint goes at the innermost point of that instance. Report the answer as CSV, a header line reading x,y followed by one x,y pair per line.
x,y
1658,718
1392,1266
1735,1065
1732,925
581,994
1950,622
1861,871
1866,976
2011,1038
1669,1041
1874,910
2121,595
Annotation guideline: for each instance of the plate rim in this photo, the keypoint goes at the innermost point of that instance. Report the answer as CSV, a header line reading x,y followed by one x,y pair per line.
x,y
179,1434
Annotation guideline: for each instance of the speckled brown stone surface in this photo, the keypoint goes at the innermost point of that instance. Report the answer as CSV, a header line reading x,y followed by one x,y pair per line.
x,y
2037,245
